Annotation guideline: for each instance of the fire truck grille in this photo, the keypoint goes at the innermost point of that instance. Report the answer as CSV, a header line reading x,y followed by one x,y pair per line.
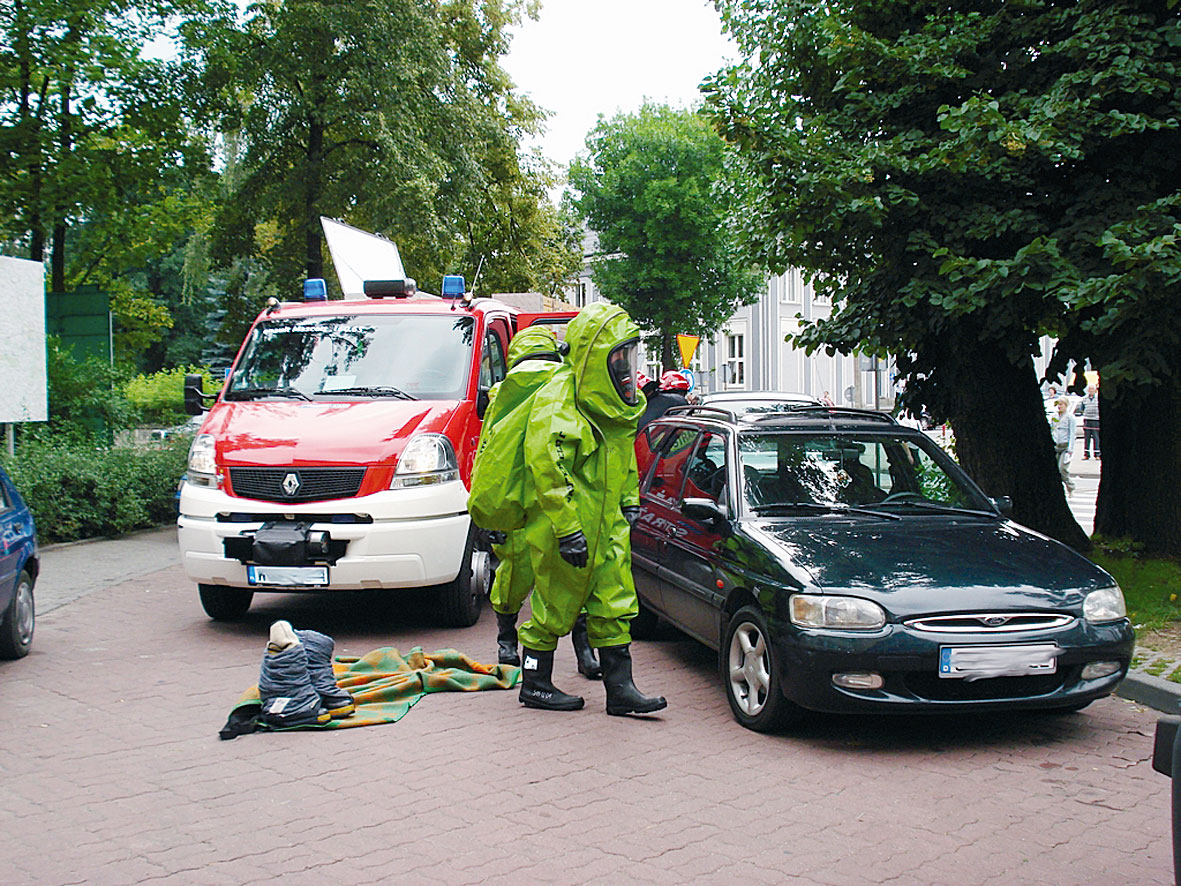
x,y
296,484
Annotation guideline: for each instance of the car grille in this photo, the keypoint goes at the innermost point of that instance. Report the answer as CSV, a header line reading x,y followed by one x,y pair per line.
x,y
935,688
310,484
991,622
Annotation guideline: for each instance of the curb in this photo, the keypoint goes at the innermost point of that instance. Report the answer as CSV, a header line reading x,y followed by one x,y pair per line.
x,y
1155,692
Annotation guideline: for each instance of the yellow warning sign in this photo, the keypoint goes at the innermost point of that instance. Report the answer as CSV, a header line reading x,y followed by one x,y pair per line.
x,y
688,347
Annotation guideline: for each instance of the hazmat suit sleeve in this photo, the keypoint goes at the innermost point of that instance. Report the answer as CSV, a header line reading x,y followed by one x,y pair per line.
x,y
631,486
556,437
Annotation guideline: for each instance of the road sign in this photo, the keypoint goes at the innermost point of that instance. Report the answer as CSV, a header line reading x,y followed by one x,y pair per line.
x,y
689,377
688,347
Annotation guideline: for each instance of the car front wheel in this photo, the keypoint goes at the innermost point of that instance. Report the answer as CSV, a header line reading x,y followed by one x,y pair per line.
x,y
748,673
16,633
222,603
461,599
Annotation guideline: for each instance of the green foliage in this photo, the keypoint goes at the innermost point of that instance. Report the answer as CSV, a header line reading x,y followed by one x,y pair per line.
x,y
76,490
158,398
1151,586
645,187
85,398
395,116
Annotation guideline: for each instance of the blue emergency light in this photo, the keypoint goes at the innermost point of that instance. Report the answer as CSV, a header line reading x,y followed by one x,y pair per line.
x,y
454,286
314,289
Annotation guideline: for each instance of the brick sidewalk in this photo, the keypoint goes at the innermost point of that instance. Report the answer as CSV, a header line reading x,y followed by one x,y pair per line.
x,y
111,772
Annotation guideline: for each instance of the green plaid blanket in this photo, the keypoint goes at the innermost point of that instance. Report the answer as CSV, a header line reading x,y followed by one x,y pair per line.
x,y
385,684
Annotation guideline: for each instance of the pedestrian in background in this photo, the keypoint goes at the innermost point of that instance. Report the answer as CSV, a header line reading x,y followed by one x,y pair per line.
x,y
1064,426
1091,422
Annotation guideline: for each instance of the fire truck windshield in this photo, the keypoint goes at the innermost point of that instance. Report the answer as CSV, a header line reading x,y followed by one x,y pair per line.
x,y
404,356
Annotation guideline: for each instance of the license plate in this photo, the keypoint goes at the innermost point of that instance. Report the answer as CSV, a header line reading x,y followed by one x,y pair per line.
x,y
288,576
983,662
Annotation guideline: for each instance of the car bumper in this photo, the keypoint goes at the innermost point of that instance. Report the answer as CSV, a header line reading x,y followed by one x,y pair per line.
x,y
401,538
908,662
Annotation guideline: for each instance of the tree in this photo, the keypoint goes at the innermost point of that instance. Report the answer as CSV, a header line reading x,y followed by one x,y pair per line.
x,y
395,116
957,176
645,187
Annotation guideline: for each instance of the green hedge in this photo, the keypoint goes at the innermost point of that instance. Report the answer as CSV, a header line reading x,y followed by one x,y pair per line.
x,y
78,491
159,398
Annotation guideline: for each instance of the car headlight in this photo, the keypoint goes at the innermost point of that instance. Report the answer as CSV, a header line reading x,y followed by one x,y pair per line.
x,y
201,457
1105,604
427,458
842,613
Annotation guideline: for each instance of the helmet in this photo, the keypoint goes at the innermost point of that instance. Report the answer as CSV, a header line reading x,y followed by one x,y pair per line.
x,y
673,381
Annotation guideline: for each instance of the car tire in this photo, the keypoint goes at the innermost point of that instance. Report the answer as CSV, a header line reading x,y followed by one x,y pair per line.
x,y
224,604
461,599
16,633
749,674
643,626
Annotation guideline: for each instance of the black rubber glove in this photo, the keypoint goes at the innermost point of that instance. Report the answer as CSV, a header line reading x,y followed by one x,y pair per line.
x,y
631,513
573,548
493,536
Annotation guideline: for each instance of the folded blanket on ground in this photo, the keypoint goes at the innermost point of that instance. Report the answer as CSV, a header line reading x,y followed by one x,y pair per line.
x,y
385,684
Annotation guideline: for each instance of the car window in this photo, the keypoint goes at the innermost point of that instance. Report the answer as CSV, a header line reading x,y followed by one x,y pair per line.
x,y
706,474
835,469
5,504
668,474
492,364
647,442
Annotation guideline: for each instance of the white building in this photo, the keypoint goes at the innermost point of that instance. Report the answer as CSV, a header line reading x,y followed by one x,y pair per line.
x,y
750,353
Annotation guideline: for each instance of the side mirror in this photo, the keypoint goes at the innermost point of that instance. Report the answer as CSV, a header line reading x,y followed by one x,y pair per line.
x,y
194,396
482,401
1004,504
707,511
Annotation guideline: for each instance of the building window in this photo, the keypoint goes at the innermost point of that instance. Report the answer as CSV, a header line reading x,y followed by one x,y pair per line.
x,y
790,285
735,369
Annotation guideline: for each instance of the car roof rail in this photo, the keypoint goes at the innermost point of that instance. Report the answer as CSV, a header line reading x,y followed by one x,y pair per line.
x,y
833,413
702,412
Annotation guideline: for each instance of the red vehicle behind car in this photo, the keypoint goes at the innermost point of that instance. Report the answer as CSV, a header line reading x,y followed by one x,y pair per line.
x,y
338,454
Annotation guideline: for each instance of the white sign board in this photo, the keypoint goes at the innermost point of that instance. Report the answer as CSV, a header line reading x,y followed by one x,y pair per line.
x,y
23,384
360,256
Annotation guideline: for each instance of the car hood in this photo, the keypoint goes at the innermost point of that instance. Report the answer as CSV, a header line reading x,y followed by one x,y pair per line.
x,y
279,434
924,564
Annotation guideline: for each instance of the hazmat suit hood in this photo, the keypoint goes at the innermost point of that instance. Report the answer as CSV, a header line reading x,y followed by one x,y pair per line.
x,y
534,343
597,337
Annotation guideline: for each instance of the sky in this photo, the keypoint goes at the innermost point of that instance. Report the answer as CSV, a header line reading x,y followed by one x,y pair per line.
x,y
583,58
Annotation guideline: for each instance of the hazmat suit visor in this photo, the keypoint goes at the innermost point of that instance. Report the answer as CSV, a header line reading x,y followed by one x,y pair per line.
x,y
623,364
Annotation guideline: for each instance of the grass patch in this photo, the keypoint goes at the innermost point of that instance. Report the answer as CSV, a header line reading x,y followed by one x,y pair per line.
x,y
1151,586
1174,677
1158,667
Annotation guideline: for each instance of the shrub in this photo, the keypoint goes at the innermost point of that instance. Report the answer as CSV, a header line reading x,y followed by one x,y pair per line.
x,y
78,490
159,397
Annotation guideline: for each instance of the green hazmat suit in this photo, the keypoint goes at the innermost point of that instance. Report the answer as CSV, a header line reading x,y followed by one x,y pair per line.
x,y
533,357
580,456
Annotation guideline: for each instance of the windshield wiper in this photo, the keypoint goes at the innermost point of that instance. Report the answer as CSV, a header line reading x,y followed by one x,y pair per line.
x,y
258,393
373,391
935,506
816,506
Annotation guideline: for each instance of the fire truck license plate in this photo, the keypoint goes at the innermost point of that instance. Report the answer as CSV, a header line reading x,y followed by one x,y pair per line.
x,y
288,576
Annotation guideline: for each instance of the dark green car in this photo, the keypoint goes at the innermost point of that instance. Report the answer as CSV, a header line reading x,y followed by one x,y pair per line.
x,y
842,562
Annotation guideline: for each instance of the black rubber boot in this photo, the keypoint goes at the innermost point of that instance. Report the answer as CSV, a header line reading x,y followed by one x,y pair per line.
x,y
588,665
506,638
537,688
319,650
622,695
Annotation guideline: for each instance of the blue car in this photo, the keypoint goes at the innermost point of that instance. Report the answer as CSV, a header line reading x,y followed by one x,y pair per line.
x,y
19,565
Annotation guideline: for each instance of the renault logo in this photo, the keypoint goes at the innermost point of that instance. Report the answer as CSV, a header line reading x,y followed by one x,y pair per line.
x,y
291,484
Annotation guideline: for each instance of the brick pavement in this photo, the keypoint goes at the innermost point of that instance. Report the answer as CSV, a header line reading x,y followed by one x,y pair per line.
x,y
111,772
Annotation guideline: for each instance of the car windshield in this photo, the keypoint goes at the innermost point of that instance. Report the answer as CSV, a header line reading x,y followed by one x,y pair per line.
x,y
891,473
405,356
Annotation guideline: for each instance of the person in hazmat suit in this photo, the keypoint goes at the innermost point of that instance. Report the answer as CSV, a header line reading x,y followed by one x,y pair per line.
x,y
533,355
581,463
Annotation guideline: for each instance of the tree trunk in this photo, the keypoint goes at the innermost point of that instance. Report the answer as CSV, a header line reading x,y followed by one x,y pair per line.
x,y
1004,443
311,198
667,359
1140,484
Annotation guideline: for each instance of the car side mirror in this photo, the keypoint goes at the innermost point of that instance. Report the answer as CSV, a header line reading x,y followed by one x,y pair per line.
x,y
194,394
706,511
482,401
1004,504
